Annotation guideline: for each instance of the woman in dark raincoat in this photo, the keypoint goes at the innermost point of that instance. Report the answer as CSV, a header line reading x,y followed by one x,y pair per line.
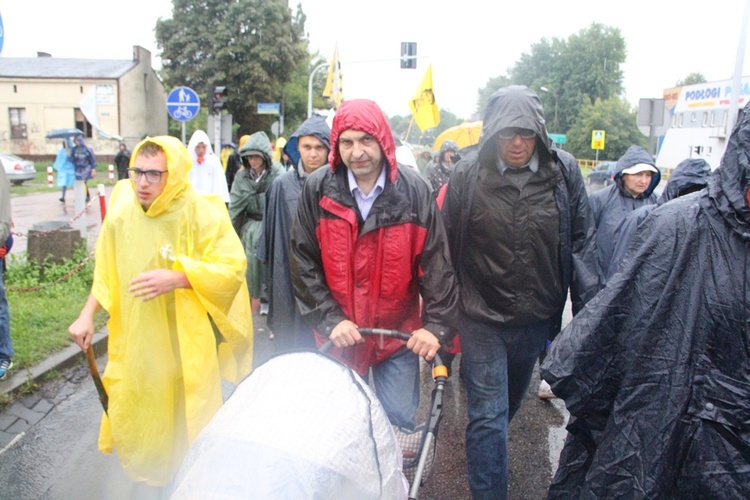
x,y
655,370
247,203
690,175
610,205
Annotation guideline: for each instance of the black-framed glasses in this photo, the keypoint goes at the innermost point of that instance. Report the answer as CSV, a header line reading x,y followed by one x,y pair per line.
x,y
510,133
152,176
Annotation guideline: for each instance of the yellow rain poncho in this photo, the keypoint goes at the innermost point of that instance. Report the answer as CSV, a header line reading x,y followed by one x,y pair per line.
x,y
164,367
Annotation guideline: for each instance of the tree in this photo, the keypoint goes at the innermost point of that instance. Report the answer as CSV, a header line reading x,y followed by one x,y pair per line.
x,y
617,118
583,68
252,47
691,79
493,84
295,93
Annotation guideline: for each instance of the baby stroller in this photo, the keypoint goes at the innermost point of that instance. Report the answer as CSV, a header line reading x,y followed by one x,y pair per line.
x,y
302,425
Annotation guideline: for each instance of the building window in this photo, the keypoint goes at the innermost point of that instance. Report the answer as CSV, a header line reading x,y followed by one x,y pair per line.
x,y
83,124
705,119
692,117
682,118
18,123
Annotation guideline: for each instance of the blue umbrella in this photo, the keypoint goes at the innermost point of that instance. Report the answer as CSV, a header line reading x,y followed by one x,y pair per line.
x,y
63,133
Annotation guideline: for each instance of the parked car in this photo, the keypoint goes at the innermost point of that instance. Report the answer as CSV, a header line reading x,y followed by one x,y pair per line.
x,y
17,169
603,174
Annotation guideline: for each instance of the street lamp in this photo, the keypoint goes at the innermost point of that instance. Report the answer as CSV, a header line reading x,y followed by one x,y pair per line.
x,y
309,88
545,89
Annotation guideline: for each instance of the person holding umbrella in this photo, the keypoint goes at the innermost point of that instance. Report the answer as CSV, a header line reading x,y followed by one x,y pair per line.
x,y
85,162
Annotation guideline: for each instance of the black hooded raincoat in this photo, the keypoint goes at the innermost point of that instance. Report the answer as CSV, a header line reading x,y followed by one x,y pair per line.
x,y
525,293
655,371
290,329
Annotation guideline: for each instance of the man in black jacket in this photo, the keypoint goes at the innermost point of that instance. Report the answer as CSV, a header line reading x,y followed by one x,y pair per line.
x,y
308,147
520,236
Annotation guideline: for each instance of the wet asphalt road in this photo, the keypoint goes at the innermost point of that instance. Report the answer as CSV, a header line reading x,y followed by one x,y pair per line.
x,y
58,458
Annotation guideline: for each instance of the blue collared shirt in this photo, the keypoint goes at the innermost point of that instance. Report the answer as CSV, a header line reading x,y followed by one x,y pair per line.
x,y
364,202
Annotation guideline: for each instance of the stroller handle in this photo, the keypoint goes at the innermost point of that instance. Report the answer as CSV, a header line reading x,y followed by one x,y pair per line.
x,y
438,367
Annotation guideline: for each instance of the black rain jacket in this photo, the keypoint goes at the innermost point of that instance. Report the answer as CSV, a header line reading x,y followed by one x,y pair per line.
x,y
690,175
518,106
655,370
610,205
289,328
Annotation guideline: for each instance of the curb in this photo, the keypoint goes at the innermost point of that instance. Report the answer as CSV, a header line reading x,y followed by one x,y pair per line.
x,y
68,357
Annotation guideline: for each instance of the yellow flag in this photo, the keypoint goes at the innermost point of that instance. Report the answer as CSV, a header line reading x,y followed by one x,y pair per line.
x,y
334,87
423,106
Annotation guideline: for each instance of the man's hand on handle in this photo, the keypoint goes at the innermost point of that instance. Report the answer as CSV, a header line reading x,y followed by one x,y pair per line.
x,y
423,343
345,334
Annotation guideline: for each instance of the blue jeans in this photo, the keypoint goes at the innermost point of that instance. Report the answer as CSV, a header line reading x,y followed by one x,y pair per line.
x,y
397,387
6,347
497,363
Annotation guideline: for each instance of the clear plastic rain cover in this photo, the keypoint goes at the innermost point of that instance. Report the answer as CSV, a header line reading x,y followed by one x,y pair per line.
x,y
302,425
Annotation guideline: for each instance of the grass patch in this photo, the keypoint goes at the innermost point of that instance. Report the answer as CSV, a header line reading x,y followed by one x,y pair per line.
x,y
40,185
43,302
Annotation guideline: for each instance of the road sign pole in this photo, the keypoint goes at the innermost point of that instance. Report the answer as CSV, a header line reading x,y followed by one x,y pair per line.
x,y
183,133
217,134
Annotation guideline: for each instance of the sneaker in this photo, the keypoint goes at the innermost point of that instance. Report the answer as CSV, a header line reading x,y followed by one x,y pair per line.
x,y
264,308
5,366
62,200
545,391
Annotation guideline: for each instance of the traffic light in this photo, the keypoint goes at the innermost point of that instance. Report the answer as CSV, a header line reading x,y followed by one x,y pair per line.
x,y
408,55
216,99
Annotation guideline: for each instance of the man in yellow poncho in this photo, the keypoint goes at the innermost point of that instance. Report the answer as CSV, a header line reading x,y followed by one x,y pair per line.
x,y
167,260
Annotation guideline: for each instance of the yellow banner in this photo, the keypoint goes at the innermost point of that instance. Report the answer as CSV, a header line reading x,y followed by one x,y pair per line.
x,y
423,106
334,84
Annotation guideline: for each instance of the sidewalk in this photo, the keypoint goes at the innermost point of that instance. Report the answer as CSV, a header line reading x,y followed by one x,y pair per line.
x,y
28,210
44,207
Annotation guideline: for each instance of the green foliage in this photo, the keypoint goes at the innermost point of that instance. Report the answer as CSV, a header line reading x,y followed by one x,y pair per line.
x,y
617,118
691,79
40,185
250,46
576,71
295,93
493,84
39,318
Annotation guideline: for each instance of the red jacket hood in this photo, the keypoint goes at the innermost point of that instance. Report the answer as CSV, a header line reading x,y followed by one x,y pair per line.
x,y
366,116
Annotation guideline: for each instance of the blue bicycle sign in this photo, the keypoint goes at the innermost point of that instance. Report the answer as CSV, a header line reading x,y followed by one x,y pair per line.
x,y
182,113
183,104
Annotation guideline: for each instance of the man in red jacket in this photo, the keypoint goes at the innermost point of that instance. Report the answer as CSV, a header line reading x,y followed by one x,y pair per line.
x,y
366,244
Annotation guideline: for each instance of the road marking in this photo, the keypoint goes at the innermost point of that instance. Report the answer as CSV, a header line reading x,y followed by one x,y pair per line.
x,y
12,442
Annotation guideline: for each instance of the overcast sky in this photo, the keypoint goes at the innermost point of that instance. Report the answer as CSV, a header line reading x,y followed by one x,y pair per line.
x,y
467,43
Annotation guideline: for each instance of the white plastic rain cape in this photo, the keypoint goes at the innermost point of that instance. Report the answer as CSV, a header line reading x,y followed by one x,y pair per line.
x,y
301,426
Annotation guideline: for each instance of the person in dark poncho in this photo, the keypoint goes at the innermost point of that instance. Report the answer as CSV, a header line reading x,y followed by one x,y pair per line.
x,y
308,149
636,177
655,370
690,175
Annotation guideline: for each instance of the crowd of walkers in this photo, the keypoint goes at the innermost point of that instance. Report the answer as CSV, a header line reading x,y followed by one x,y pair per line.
x,y
481,247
